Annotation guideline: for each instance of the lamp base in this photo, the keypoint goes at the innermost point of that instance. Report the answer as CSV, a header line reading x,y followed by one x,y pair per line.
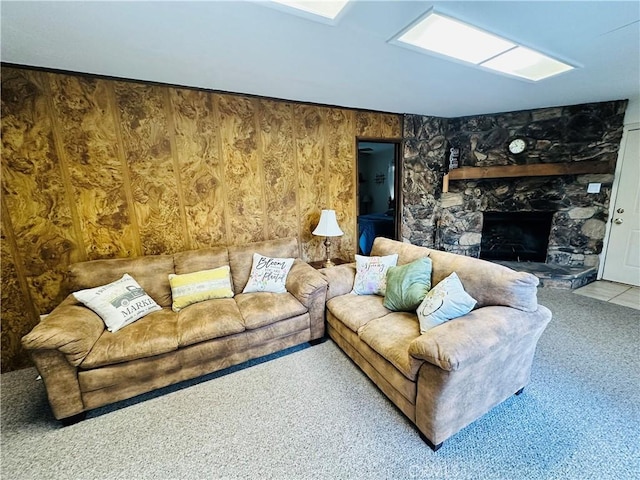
x,y
327,244
328,263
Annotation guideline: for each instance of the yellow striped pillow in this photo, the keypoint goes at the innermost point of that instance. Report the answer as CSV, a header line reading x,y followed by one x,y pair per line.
x,y
199,286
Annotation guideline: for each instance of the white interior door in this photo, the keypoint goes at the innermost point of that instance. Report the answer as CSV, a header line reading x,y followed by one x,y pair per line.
x,y
622,260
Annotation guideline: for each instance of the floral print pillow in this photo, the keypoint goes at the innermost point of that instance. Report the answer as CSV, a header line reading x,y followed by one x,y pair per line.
x,y
371,274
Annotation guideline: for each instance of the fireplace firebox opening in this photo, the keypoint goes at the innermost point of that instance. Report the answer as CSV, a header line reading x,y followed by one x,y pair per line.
x,y
515,236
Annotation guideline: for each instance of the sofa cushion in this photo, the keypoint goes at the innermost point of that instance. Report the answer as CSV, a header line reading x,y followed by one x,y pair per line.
x,y
406,252
152,335
118,303
356,310
383,373
190,288
151,272
241,257
202,259
209,319
264,308
489,283
391,337
371,274
407,285
446,301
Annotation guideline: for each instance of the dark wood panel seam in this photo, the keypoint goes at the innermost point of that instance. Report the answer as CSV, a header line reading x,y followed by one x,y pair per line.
x,y
257,116
294,134
126,179
328,201
171,132
19,264
63,165
223,169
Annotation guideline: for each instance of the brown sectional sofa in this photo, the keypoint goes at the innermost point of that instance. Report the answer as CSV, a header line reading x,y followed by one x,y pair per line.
x,y
448,377
84,366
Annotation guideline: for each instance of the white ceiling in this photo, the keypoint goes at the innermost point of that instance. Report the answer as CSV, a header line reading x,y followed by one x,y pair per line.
x,y
250,47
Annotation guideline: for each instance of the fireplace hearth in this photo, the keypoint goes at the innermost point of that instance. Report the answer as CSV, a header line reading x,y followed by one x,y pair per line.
x,y
515,236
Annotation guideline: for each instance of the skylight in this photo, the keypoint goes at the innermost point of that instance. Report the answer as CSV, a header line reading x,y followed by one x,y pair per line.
x,y
324,8
450,37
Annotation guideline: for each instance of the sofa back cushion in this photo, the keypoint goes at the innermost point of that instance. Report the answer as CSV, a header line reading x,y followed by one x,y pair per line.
x,y
151,272
489,283
407,253
241,257
202,259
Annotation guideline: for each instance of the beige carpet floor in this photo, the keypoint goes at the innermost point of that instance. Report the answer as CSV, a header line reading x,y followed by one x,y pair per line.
x,y
310,413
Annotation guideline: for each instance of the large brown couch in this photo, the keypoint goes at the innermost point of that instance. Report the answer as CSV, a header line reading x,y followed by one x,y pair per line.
x,y
84,366
454,373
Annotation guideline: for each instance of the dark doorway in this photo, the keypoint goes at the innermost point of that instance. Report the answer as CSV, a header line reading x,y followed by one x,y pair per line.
x,y
516,236
377,192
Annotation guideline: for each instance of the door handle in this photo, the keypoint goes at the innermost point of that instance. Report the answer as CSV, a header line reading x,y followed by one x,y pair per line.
x,y
618,221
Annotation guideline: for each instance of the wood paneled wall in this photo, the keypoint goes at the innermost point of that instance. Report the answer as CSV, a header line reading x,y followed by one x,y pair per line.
x,y
96,168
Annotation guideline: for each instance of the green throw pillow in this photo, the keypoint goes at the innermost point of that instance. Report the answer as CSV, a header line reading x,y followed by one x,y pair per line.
x,y
407,285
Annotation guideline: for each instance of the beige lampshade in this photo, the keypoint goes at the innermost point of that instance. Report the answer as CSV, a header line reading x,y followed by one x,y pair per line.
x,y
328,225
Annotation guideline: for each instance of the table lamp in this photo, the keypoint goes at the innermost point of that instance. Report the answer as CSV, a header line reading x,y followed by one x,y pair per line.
x,y
328,227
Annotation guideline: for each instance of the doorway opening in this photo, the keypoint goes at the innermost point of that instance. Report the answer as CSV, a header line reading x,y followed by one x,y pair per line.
x,y
378,188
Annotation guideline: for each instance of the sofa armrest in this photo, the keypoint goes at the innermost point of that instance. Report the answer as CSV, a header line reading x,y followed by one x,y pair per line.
x,y
340,279
309,287
71,328
304,281
61,382
465,340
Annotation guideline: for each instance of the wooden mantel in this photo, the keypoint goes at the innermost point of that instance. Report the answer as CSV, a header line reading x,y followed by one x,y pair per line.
x,y
533,170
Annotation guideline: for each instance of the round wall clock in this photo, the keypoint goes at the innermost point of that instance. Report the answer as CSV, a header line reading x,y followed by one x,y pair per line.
x,y
517,145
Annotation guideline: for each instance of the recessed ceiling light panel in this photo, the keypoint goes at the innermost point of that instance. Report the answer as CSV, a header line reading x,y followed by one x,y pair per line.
x,y
453,38
324,8
526,63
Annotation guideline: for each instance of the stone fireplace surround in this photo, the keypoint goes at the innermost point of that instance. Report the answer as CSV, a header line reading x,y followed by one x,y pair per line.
x,y
453,221
577,224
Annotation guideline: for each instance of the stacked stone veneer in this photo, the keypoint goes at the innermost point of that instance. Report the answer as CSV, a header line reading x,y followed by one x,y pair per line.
x,y
453,221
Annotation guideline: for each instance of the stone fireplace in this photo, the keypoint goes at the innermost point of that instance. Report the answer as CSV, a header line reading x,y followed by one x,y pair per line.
x,y
576,219
456,220
515,236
